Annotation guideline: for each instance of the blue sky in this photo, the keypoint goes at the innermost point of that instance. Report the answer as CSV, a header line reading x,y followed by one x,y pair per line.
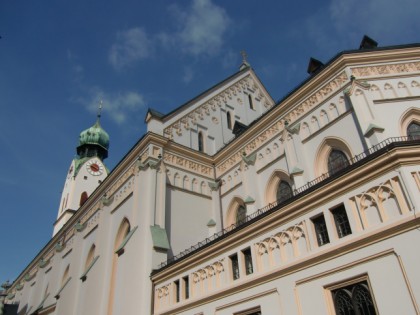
x,y
58,58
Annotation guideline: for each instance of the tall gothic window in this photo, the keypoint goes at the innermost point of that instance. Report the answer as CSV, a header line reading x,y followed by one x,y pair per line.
x,y
413,130
321,230
337,160
284,191
240,215
354,299
341,221
200,142
229,120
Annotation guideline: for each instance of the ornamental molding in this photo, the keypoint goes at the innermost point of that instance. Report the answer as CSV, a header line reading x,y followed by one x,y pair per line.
x,y
187,164
206,109
273,130
380,70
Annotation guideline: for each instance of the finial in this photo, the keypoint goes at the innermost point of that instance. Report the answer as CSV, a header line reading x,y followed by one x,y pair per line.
x,y
244,63
99,109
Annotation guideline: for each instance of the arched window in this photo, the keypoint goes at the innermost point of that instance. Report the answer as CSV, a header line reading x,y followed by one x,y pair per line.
x,y
354,299
200,142
337,160
251,103
413,130
229,120
83,198
66,275
284,191
240,215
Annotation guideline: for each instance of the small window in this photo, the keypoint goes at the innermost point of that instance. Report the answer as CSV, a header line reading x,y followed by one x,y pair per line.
x,y
248,261
354,299
240,215
176,287
200,142
235,266
321,230
229,120
341,221
413,130
251,103
186,287
337,161
284,191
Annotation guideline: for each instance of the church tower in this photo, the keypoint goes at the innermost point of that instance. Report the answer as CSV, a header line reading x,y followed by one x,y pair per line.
x,y
86,172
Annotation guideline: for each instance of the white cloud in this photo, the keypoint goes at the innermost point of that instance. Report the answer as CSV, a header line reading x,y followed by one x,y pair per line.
x,y
119,107
202,28
131,46
188,75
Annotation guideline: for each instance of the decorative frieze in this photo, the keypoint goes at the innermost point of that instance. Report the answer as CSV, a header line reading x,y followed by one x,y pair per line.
x,y
187,164
381,70
205,109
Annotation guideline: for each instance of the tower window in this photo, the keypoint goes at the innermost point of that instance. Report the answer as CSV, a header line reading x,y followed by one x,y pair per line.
x,y
284,191
176,285
83,198
341,221
251,103
200,142
413,130
229,120
337,160
321,231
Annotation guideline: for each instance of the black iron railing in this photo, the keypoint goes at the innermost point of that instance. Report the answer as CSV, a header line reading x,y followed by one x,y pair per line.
x,y
354,162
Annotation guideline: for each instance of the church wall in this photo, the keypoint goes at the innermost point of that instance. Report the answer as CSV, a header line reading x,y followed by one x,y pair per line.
x,y
187,216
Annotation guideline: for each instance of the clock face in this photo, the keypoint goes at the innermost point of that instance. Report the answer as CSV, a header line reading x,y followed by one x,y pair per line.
x,y
94,167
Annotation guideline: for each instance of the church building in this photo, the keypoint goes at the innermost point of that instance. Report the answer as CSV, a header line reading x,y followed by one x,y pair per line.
x,y
237,204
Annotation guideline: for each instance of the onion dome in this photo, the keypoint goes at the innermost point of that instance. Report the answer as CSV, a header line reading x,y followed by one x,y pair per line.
x,y
93,141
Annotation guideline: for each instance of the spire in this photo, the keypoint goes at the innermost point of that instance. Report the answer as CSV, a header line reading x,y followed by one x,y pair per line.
x,y
99,112
245,63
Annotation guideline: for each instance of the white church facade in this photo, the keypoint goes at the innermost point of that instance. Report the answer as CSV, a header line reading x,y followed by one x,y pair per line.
x,y
234,203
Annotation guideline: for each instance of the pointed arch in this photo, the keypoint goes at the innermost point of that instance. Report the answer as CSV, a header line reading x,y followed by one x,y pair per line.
x,y
236,213
122,232
279,187
410,123
330,152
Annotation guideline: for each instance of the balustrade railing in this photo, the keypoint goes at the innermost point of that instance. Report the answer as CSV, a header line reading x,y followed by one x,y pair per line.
x,y
354,162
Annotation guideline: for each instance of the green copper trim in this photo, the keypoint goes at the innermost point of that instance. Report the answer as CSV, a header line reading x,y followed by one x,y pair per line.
x,y
373,128
57,296
249,199
296,170
84,275
42,263
211,223
250,159
19,287
29,277
79,227
10,296
59,247
214,185
120,249
107,201
159,237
